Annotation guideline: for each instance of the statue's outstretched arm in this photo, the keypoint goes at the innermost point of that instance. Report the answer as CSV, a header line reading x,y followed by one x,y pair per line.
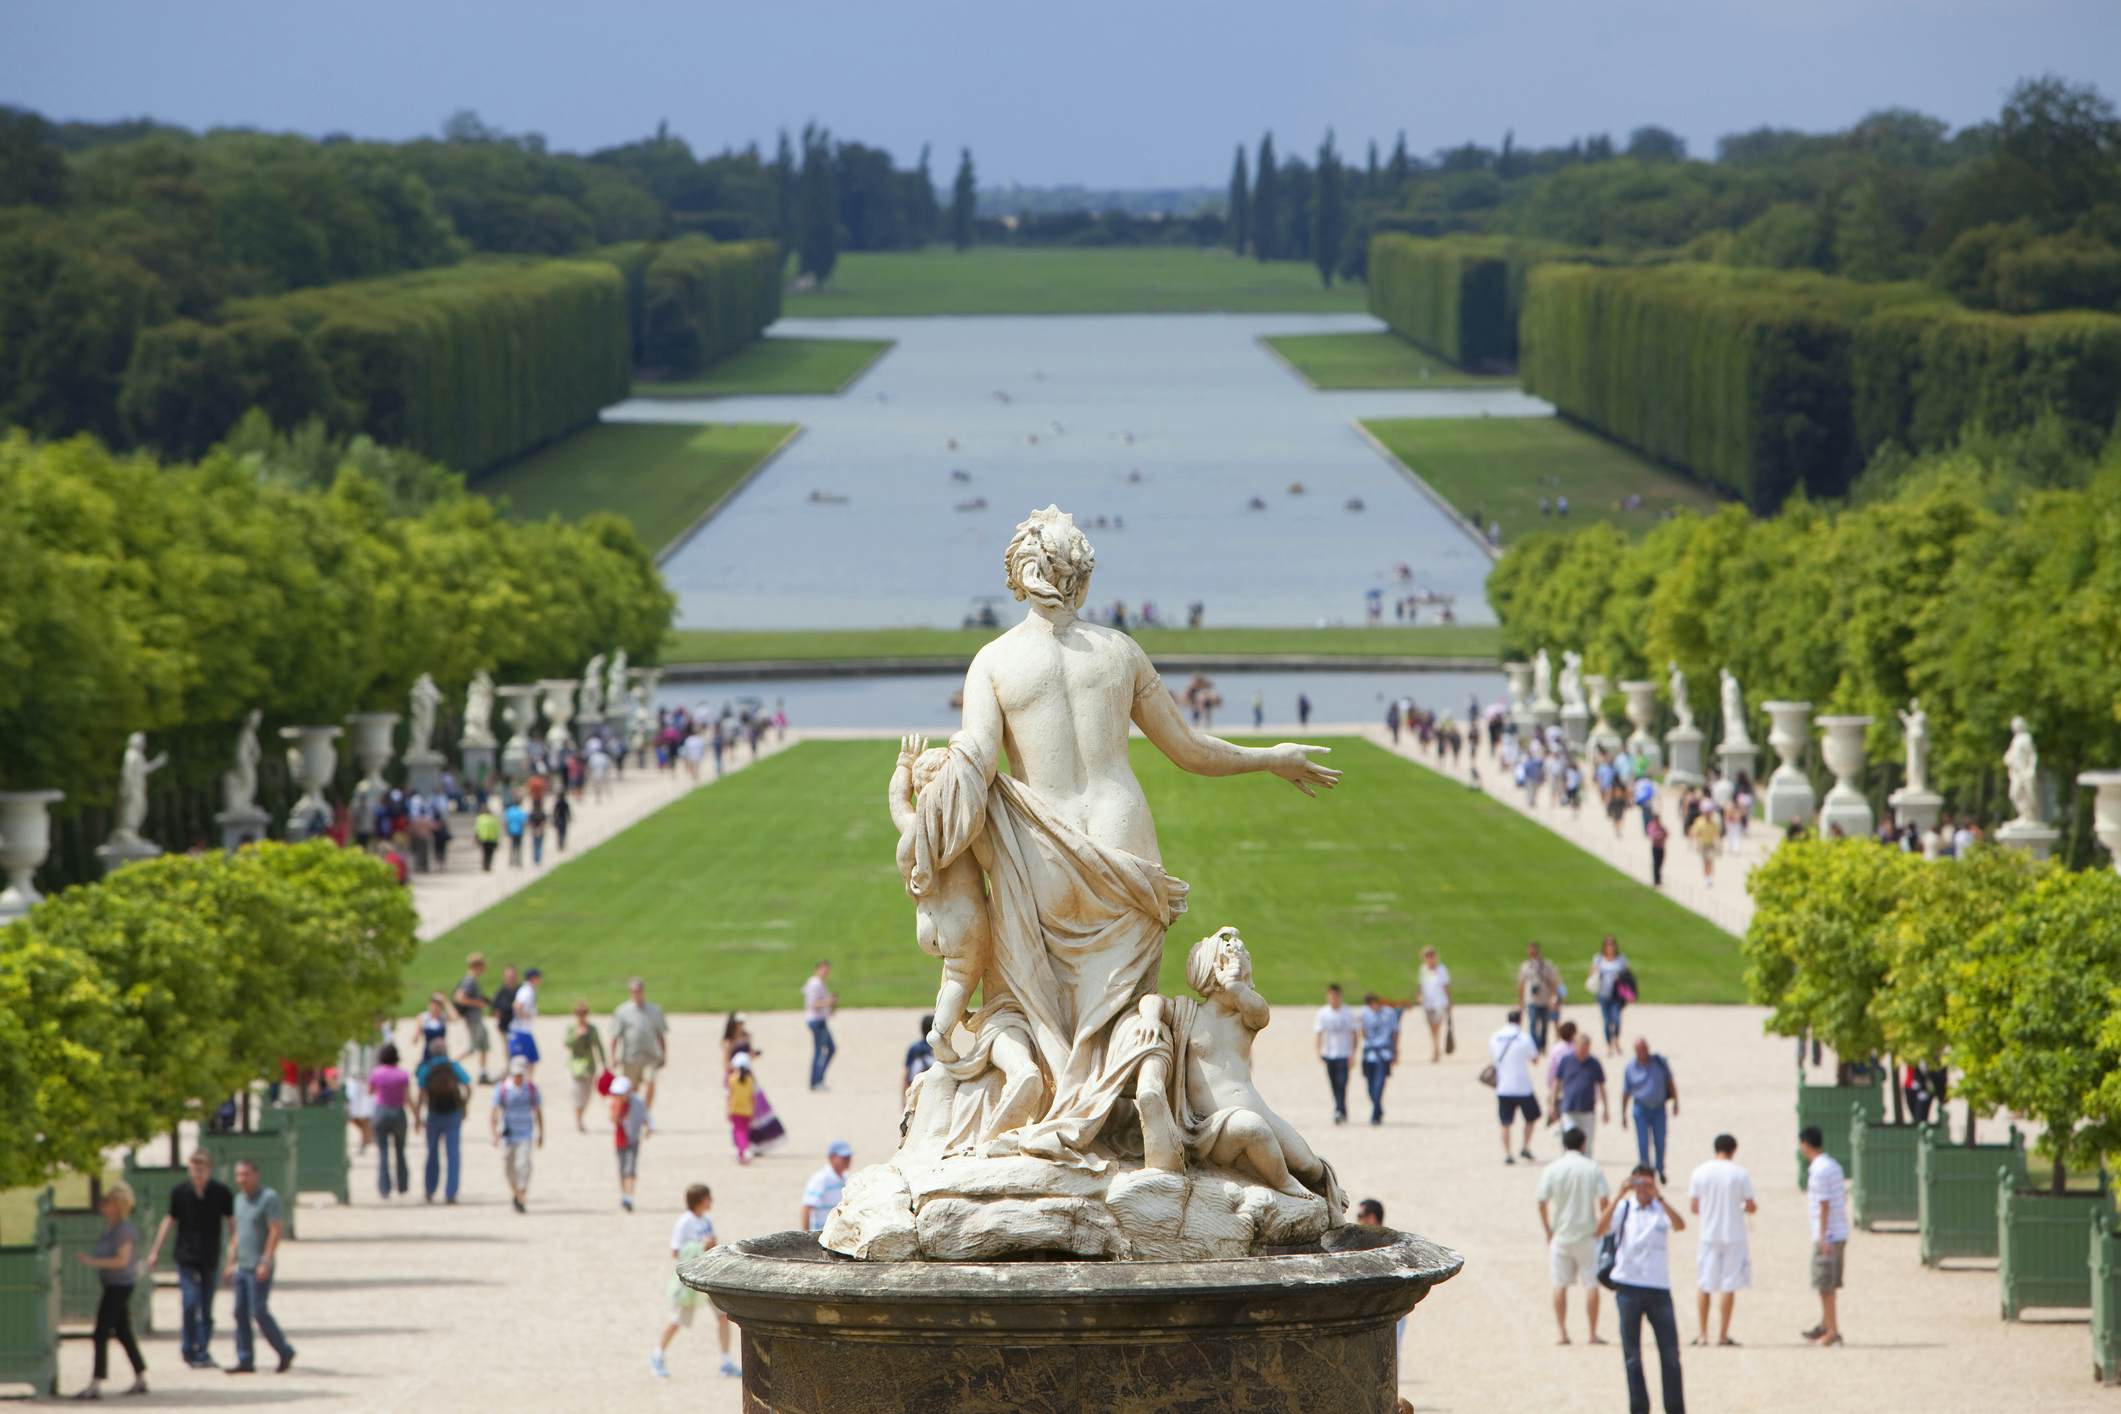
x,y
1204,755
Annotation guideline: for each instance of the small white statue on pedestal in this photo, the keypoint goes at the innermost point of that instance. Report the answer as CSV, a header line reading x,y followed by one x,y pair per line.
x,y
2021,760
1915,728
132,790
1542,679
425,698
1572,681
616,686
1734,732
239,783
478,711
1680,709
589,709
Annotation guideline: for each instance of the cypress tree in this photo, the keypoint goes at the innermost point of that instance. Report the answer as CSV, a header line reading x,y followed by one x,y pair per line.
x,y
1399,169
964,201
926,215
1240,203
1370,187
1329,216
784,188
818,216
1264,212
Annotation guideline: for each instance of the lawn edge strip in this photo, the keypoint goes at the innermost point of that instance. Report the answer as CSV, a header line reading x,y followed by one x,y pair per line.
x,y
689,390
1457,517
699,522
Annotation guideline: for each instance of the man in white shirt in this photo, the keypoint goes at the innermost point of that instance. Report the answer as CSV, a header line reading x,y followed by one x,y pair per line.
x,y
1722,1194
1826,1200
826,1187
1642,1285
1512,1054
522,1032
1333,1031
818,1005
640,1040
1571,1192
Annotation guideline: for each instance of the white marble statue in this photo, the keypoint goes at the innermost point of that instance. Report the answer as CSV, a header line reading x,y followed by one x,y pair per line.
x,y
616,687
478,711
239,783
589,698
425,698
1572,681
1542,678
1734,732
1680,709
132,790
1915,729
1032,1137
2021,760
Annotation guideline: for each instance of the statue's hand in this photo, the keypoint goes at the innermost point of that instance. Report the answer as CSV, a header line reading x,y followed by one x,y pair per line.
x,y
910,746
1293,764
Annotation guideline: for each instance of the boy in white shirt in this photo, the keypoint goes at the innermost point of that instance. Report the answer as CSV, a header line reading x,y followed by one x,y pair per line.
x,y
693,1234
1826,1200
1722,1193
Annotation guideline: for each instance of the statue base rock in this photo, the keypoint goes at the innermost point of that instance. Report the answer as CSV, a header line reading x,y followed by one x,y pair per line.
x,y
1308,1327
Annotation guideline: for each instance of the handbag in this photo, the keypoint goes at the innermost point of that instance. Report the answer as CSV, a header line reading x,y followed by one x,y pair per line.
x,y
1450,1038
1487,1076
1609,1248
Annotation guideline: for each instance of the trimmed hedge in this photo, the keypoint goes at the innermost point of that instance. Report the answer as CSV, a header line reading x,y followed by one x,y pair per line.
x,y
1459,296
702,300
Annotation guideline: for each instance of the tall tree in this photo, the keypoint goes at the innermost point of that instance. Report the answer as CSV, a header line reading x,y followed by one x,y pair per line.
x,y
926,215
818,216
784,191
1329,212
1370,186
1240,203
1265,214
1399,168
964,201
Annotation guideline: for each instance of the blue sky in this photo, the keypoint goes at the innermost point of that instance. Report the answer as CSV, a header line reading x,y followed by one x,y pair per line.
x,y
1152,92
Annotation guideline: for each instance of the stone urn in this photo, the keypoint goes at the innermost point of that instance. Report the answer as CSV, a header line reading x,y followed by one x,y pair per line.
x,y
25,841
1642,714
312,760
559,710
2106,810
1597,688
519,709
372,747
1789,791
1845,805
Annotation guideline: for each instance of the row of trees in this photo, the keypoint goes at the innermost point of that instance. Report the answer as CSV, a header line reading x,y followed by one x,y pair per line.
x,y
179,980
2006,969
1982,597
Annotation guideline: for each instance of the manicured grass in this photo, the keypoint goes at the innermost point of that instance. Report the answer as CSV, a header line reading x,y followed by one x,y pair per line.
x,y
660,476
1375,360
726,897
952,645
1498,468
772,365
1115,280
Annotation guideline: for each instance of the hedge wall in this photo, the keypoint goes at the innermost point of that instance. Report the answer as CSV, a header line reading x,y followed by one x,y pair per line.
x,y
469,364
1459,296
702,300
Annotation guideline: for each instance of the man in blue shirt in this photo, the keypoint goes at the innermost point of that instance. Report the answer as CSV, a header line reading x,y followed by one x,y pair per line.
x,y
1579,1081
514,820
1650,1086
1380,1048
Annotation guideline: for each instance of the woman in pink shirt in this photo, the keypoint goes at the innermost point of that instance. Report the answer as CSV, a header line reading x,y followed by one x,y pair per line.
x,y
389,1084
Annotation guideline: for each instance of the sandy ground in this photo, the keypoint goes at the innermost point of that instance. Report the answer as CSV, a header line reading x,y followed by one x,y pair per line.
x,y
403,1306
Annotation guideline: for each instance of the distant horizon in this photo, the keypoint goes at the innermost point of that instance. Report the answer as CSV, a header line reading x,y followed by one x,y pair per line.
x,y
1047,101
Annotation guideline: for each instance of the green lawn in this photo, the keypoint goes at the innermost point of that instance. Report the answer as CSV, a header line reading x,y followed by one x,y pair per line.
x,y
777,366
725,898
952,645
1375,360
1498,468
1045,280
661,476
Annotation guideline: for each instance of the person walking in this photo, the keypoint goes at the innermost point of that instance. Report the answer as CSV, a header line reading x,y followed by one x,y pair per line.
x,y
1581,1082
470,1000
388,1083
515,820
1538,993
1706,834
640,1040
766,1127
920,1059
1650,1086
522,1032
692,1235
630,1128
1380,1050
504,1008
1436,1005
585,1061
1826,1202
1333,1032
1612,981
742,1098
441,1094
1642,1285
486,830
434,1027
115,1260
1654,831
251,1264
539,819
202,1211
562,817
518,1127
818,1005
822,1193
1511,1055
1720,1193
1571,1197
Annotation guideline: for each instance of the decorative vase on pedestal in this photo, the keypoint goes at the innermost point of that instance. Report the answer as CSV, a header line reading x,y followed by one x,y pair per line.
x,y
25,840
372,746
559,710
313,762
1598,687
519,708
1845,805
1686,745
1642,711
2106,810
1789,790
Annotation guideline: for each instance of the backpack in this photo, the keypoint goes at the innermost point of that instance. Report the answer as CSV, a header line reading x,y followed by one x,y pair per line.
x,y
1609,1247
445,1093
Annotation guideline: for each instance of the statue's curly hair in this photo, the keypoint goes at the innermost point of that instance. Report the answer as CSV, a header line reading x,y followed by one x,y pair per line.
x,y
1050,559
1205,959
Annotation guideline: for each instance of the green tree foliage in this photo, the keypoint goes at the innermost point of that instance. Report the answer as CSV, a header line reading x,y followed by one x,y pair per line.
x,y
1925,942
32,165
1240,206
68,317
1266,203
964,201
818,242
702,301
1329,212
1815,951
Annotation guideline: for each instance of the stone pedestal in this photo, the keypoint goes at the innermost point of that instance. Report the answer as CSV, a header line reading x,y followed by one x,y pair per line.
x,y
2106,810
423,771
477,762
1520,680
1735,757
239,827
1920,808
1790,799
1686,745
25,840
1576,727
1845,806
2034,838
1642,711
1545,713
1298,1330
113,855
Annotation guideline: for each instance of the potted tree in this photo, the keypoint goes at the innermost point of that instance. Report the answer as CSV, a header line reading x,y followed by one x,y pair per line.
x,y
2034,989
29,1307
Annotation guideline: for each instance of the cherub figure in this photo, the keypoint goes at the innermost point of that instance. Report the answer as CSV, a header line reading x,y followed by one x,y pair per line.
x,y
950,916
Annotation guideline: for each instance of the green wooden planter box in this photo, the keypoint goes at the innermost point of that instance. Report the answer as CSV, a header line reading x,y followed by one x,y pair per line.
x,y
1955,1185
274,1151
1882,1174
29,1312
2043,1244
76,1230
1835,1108
152,1185
2106,1299
320,1148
